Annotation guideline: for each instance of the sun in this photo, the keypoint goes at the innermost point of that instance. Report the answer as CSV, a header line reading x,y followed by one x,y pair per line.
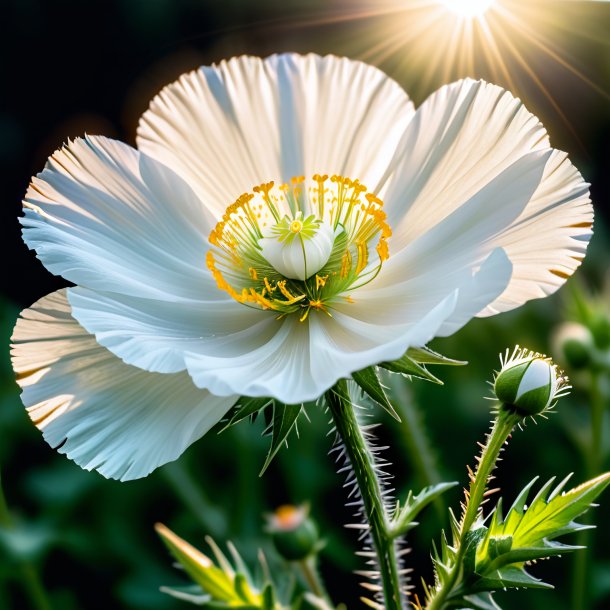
x,y
468,8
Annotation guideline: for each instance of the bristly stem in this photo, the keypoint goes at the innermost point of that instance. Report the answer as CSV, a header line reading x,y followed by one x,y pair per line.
x,y
363,464
502,427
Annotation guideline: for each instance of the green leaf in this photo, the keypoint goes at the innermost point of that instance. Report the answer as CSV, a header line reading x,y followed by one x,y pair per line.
x,y
284,419
404,518
531,531
245,407
407,366
424,355
482,601
368,380
506,578
200,568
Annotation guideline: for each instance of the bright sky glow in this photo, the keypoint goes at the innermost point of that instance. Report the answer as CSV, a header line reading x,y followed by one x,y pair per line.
x,y
468,8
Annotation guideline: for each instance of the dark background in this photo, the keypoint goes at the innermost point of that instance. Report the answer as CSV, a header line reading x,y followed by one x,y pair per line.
x,y
73,66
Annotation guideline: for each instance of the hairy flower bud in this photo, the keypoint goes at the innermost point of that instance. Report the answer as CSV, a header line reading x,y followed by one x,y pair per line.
x,y
528,382
294,534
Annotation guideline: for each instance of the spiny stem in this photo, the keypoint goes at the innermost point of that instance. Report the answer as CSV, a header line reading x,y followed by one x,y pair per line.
x,y
363,464
503,426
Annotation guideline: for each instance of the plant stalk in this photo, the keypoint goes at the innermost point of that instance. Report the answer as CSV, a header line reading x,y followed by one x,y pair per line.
x,y
363,463
503,426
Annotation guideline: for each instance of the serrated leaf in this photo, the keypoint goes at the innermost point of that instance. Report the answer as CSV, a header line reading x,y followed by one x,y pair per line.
x,y
193,594
369,382
246,407
284,419
200,568
506,578
404,519
407,366
482,601
550,514
424,355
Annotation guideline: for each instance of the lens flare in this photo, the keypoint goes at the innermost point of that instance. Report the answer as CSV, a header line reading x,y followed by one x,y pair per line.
x,y
468,8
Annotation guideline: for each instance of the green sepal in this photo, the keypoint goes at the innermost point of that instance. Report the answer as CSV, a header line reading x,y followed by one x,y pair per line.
x,y
283,421
268,597
245,407
407,366
404,517
424,355
369,382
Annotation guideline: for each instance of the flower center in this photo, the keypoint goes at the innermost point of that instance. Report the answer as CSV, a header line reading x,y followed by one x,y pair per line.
x,y
296,247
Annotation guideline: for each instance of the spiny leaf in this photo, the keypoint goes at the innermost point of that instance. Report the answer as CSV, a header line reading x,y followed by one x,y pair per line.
x,y
506,578
244,408
482,601
424,355
284,419
200,568
407,366
368,380
550,514
404,519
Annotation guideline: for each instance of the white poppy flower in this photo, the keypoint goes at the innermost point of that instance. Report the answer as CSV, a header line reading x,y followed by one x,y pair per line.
x,y
283,223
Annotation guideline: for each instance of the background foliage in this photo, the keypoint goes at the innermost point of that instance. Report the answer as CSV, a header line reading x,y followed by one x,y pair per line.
x,y
69,67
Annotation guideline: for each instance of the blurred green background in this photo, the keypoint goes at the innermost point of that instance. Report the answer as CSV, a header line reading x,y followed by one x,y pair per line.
x,y
70,67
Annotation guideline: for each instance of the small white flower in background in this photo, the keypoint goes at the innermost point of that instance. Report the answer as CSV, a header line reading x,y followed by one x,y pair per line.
x,y
529,382
283,223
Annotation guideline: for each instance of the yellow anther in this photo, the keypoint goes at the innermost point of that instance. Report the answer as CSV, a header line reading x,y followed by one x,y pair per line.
x,y
363,256
290,298
252,272
321,281
346,264
382,249
268,286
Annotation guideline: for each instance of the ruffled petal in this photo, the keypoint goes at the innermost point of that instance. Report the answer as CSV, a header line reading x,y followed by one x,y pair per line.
x,y
296,361
462,138
548,241
245,121
153,335
100,412
105,216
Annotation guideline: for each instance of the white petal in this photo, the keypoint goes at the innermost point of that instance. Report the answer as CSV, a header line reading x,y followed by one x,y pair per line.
x,y
547,243
462,137
465,135
229,127
298,361
100,412
153,335
539,374
105,216
486,284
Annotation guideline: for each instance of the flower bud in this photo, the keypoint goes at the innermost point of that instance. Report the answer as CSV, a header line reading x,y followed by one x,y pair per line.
x,y
294,534
528,382
600,329
573,342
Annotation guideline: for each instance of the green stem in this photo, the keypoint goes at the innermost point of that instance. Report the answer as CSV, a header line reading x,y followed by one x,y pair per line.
x,y
503,426
593,464
310,573
362,461
30,580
